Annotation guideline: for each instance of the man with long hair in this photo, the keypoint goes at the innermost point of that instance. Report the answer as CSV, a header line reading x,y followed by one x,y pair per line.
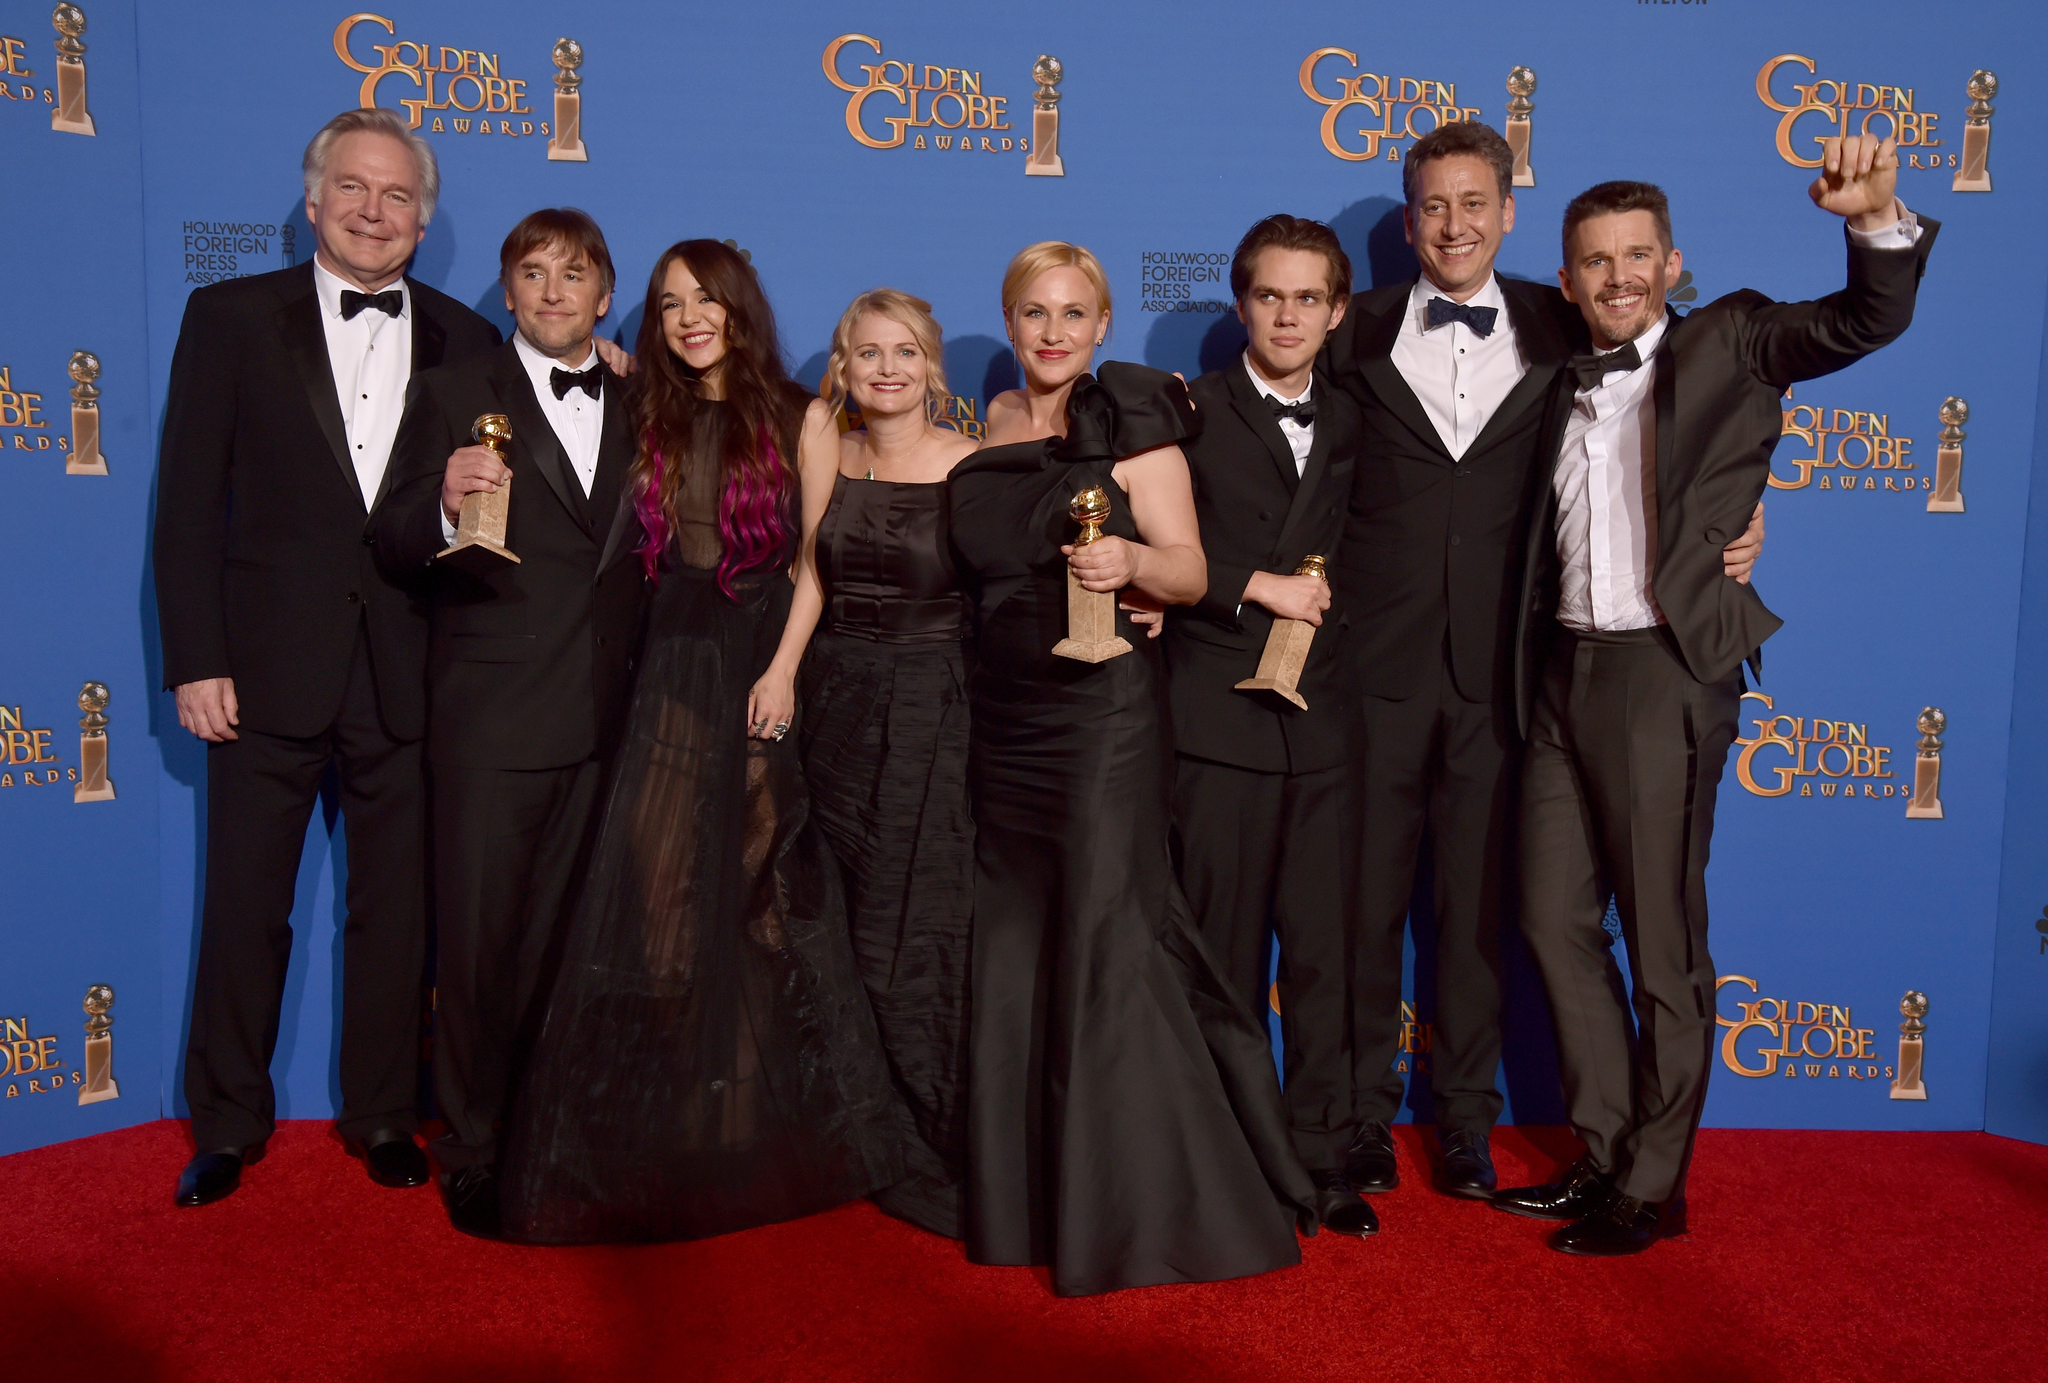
x,y
530,665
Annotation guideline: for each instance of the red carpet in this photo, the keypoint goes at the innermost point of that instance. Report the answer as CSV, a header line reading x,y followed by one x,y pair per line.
x,y
1814,1257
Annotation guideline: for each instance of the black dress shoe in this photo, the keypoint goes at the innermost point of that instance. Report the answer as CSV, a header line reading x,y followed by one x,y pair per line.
x,y
1624,1225
1340,1208
1369,1165
1573,1196
215,1175
471,1195
395,1160
1467,1166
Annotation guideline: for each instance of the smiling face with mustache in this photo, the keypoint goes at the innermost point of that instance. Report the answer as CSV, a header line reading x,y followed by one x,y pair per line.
x,y
1617,271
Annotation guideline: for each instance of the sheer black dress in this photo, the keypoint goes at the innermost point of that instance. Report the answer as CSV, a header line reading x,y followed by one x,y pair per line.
x,y
708,1061
885,753
1124,1121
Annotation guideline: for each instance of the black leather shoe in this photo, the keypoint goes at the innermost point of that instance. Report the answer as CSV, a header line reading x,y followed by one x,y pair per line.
x,y
1467,1166
395,1160
471,1195
1624,1225
215,1175
1369,1165
1340,1208
1573,1196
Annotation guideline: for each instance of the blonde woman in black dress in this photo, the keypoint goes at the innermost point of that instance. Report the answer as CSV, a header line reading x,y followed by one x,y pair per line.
x,y
884,729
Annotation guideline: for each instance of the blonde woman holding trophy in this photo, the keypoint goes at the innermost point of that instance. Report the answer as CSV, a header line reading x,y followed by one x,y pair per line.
x,y
1125,1124
884,729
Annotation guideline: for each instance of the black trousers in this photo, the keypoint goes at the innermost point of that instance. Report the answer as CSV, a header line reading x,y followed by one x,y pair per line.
x,y
510,847
1259,854
260,791
1439,760
1624,763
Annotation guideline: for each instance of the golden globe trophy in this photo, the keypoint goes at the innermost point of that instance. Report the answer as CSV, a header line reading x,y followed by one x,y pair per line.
x,y
70,116
566,144
1521,86
1091,615
1287,646
1907,1085
1926,802
1973,174
86,457
99,1047
93,784
1947,496
1044,159
481,528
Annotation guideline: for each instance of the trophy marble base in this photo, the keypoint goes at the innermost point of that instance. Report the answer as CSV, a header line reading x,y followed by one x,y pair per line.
x,y
99,1078
1280,664
93,784
1908,1086
1926,802
85,126
480,535
1518,145
1044,159
1974,175
85,458
1091,625
567,144
71,116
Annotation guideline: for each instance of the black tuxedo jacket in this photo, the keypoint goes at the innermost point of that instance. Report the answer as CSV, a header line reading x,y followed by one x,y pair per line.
x,y
1431,557
1258,513
261,570
531,663
1722,372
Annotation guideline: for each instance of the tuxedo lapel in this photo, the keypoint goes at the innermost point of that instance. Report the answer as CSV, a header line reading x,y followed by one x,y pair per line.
x,y
1665,390
612,493
532,436
1543,348
305,338
429,342
1251,407
1311,474
1376,362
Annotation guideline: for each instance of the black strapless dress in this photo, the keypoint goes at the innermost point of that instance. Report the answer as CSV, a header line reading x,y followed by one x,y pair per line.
x,y
708,1061
884,693
1125,1123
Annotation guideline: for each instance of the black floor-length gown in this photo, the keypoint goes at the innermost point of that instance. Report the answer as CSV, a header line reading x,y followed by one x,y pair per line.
x,y
708,1061
1124,1117
885,754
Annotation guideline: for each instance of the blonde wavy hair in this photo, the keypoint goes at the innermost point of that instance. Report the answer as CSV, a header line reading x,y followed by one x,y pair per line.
x,y
1033,260
905,309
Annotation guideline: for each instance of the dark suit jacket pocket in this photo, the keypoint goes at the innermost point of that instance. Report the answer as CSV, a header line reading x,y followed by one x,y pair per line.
x,y
491,648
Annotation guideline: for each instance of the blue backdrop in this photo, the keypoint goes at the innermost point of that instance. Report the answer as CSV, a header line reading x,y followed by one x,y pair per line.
x,y
903,162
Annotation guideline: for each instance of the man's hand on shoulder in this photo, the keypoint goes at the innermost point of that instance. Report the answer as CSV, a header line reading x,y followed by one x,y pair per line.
x,y
1858,180
208,708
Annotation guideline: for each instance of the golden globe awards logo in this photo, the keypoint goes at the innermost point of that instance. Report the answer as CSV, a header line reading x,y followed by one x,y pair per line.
x,y
1830,107
1845,449
66,100
463,90
31,755
29,1064
1815,757
1366,115
897,104
1795,1039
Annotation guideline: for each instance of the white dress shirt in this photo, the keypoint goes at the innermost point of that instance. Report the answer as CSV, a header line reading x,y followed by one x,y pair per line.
x,y
577,418
1606,481
371,357
1300,436
1459,375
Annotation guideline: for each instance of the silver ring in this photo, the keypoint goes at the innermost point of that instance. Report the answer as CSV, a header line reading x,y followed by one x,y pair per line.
x,y
778,732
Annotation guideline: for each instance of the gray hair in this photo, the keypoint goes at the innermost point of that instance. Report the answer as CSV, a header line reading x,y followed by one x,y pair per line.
x,y
374,120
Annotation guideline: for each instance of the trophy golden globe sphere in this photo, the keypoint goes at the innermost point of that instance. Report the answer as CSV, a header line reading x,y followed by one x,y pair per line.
x,y
568,54
1933,721
1047,71
84,367
1090,509
493,430
1914,1005
1521,82
69,20
93,698
1982,86
1954,411
99,999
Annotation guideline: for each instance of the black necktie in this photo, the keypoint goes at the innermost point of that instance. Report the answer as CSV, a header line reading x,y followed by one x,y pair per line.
x,y
1302,411
1593,370
590,381
390,302
1480,319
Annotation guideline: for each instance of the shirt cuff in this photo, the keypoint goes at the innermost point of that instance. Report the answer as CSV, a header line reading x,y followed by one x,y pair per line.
x,y
1902,234
447,528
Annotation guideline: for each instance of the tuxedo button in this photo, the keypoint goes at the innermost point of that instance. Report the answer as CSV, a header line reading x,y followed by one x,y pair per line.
x,y
600,641
1455,540
354,599
1717,537
1265,515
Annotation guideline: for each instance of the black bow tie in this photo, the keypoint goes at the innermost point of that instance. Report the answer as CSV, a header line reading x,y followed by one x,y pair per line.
x,y
590,381
1480,319
1302,411
1593,370
390,302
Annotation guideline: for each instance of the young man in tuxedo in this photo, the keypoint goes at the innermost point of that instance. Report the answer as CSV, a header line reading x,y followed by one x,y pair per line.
x,y
1640,637
530,666
1259,783
288,651
1454,373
